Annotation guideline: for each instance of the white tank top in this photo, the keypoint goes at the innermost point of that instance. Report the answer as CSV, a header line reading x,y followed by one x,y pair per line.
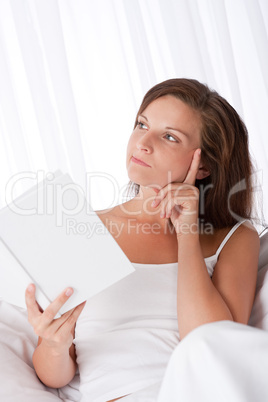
x,y
126,334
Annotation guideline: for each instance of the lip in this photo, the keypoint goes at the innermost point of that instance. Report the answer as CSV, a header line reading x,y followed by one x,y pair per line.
x,y
139,162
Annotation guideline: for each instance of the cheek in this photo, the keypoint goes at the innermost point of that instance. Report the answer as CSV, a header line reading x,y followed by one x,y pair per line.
x,y
181,168
130,145
131,142
130,148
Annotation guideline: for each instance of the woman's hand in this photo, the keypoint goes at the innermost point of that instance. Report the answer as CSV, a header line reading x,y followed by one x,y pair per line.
x,y
179,201
57,334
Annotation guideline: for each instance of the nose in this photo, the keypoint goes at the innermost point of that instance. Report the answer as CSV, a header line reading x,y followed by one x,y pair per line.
x,y
145,144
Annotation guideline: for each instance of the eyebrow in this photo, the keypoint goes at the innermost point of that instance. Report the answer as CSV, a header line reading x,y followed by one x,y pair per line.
x,y
169,128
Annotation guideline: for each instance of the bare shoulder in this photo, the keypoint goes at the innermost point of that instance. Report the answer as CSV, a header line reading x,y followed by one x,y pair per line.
x,y
235,273
114,220
245,240
111,216
114,213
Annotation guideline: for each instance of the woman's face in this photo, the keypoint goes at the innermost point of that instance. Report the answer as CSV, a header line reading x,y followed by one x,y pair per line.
x,y
162,145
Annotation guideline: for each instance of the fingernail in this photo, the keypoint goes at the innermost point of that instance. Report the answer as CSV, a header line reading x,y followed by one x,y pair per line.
x,y
30,288
153,203
199,152
69,292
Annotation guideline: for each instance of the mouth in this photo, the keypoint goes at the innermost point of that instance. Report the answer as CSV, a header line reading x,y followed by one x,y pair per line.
x,y
139,162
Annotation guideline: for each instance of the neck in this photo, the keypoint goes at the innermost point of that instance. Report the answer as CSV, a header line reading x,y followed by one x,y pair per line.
x,y
140,206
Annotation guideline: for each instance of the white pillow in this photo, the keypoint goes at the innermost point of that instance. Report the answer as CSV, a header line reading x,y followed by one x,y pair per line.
x,y
259,314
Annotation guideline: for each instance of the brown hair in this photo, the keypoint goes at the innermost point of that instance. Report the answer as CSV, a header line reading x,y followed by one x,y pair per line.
x,y
225,195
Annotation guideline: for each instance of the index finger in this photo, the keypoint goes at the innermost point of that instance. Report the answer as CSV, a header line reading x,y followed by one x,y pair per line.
x,y
51,311
192,172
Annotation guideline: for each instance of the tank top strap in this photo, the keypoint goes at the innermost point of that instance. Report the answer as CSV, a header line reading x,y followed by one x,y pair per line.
x,y
227,237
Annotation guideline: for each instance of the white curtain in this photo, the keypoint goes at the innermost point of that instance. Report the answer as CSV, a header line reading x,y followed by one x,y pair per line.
x,y
73,73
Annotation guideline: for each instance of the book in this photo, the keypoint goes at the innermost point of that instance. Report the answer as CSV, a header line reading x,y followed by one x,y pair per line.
x,y
50,236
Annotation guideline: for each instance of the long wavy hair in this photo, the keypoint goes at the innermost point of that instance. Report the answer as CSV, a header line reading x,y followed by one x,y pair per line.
x,y
225,195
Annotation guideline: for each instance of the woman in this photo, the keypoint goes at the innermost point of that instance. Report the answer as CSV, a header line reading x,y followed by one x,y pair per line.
x,y
188,234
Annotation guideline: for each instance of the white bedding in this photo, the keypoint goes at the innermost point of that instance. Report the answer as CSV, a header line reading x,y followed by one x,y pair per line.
x,y
220,361
18,381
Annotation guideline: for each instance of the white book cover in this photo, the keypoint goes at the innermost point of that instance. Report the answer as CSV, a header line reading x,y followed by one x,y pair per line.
x,y
51,236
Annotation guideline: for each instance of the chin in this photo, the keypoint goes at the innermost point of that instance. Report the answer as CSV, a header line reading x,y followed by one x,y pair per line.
x,y
142,180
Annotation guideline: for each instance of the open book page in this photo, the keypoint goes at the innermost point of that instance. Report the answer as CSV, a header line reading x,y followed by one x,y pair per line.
x,y
13,274
58,243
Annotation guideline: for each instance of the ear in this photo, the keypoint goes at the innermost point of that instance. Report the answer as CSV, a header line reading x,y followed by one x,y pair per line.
x,y
202,172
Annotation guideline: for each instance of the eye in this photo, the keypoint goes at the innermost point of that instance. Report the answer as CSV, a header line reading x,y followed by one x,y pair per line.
x,y
171,138
142,126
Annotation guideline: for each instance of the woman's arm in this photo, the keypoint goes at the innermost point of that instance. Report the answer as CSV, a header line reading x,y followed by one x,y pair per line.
x,y
54,358
230,293
55,368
